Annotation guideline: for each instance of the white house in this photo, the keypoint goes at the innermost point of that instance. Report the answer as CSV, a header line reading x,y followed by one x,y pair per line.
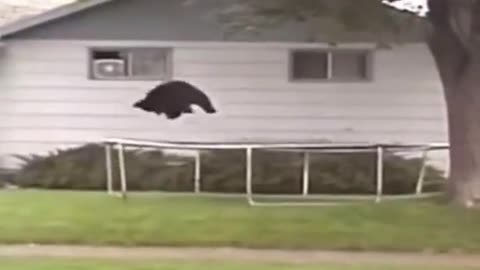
x,y
272,86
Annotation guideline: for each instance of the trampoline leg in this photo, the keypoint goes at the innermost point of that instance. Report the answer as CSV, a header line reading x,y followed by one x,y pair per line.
x,y
197,172
379,174
249,175
421,176
108,167
123,174
306,173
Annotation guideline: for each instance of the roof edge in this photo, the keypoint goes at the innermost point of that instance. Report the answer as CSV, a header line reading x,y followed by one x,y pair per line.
x,y
53,14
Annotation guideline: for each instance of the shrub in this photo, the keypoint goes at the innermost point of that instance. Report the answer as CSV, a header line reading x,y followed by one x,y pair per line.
x,y
84,168
6,177
222,171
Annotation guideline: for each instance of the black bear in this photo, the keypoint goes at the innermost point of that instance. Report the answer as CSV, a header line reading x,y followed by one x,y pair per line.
x,y
174,98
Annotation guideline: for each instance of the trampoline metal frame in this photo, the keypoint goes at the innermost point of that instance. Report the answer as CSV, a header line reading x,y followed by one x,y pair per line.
x,y
305,148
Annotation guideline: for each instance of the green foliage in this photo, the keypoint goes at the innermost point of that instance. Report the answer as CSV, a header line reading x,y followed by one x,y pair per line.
x,y
6,177
222,171
84,168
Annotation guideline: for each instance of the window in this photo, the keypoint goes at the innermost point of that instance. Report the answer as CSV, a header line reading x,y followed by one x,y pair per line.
x,y
330,65
130,63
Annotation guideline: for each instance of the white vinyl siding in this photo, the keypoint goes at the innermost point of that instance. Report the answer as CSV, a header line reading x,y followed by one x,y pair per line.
x,y
47,99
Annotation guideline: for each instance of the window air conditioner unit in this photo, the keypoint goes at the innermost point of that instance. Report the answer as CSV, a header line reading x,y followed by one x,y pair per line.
x,y
109,68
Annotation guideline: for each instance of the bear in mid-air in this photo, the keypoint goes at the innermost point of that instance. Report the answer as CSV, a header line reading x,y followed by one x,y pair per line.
x,y
174,98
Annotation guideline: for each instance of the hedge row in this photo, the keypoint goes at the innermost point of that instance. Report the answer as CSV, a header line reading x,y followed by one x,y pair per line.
x,y
83,168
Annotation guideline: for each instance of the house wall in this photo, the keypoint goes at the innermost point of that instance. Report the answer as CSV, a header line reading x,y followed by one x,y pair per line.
x,y
47,100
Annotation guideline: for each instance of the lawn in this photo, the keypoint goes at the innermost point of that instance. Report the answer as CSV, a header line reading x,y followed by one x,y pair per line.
x,y
97,219
38,264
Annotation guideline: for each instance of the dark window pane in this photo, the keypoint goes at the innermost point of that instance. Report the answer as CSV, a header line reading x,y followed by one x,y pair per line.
x,y
349,65
150,62
309,65
107,55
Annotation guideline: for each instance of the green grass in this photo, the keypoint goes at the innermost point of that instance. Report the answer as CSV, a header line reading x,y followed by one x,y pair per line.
x,y
95,218
38,264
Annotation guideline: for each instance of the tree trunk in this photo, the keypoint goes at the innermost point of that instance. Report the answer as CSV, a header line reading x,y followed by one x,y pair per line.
x,y
459,71
463,106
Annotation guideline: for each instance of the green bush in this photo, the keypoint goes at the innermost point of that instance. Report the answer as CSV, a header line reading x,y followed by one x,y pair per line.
x,y
275,172
84,168
6,177
222,171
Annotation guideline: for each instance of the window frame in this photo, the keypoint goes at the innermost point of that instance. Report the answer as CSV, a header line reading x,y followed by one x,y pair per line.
x,y
369,61
129,51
